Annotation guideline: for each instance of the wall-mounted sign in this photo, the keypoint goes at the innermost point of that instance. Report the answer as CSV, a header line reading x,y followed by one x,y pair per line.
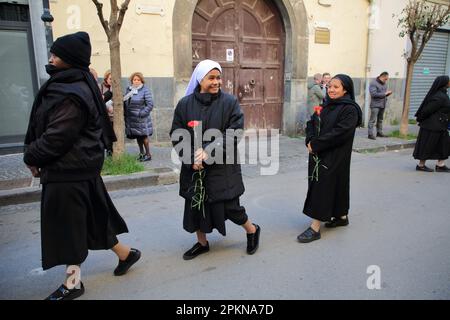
x,y
150,7
230,55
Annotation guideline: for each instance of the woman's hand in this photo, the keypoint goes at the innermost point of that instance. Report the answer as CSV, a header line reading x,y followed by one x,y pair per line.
x,y
310,150
35,171
197,167
200,156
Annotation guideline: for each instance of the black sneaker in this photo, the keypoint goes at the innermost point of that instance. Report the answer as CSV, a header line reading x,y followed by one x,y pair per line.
x,y
381,135
123,266
424,169
337,222
195,251
308,236
371,137
62,293
253,240
146,158
140,157
442,169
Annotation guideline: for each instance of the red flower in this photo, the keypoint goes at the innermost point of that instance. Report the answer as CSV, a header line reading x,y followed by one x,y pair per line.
x,y
318,110
193,124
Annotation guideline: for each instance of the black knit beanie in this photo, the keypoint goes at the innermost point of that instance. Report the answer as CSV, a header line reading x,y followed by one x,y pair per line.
x,y
74,49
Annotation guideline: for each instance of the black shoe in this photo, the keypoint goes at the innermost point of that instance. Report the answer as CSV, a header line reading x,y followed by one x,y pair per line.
x,y
308,236
140,157
253,240
146,158
123,266
442,169
62,293
337,222
195,251
382,135
371,137
424,169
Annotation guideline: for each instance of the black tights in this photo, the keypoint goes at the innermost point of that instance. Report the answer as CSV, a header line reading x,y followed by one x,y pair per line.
x,y
144,142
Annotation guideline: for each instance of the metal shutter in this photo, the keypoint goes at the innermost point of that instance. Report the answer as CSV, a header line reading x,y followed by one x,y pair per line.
x,y
431,65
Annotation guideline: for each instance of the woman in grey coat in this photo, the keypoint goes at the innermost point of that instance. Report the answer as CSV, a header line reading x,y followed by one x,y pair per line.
x,y
138,122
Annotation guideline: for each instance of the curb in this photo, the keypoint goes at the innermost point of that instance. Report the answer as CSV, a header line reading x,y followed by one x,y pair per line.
x,y
156,177
392,147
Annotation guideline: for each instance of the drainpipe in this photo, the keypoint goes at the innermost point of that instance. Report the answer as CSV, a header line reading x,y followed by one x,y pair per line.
x,y
374,10
47,18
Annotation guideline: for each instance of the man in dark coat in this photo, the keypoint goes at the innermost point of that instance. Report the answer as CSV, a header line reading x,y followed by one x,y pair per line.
x,y
211,190
330,136
379,94
64,146
433,118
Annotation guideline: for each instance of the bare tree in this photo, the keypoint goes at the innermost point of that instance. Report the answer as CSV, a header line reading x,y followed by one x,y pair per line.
x,y
418,21
112,30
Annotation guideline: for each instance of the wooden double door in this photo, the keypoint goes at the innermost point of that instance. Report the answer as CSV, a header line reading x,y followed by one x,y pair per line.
x,y
247,38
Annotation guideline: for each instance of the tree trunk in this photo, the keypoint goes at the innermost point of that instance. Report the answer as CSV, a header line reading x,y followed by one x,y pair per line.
x,y
116,75
406,103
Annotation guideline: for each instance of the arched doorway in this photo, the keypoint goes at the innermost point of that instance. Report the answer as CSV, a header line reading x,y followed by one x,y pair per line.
x,y
294,80
247,38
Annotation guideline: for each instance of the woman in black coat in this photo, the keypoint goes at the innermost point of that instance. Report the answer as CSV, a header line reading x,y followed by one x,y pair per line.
x,y
64,146
433,117
329,140
210,202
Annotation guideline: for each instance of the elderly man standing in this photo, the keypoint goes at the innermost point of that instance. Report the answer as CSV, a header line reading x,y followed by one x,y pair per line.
x,y
379,93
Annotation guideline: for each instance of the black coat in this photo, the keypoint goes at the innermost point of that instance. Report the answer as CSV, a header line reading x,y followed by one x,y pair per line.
x,y
435,114
64,137
330,196
222,112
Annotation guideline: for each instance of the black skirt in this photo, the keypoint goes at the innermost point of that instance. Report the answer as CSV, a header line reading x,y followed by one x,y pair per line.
x,y
432,145
77,217
215,216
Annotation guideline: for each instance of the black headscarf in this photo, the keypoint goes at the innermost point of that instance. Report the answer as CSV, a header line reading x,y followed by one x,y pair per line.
x,y
348,98
439,84
78,72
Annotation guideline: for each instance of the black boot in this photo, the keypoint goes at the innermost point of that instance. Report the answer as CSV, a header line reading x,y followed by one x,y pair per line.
x,y
123,266
308,236
62,293
253,240
195,251
337,222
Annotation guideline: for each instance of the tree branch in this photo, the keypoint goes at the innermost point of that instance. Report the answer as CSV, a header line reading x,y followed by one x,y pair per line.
x,y
102,18
123,10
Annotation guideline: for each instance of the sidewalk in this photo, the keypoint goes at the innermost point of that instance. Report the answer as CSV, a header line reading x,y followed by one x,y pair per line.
x,y
17,185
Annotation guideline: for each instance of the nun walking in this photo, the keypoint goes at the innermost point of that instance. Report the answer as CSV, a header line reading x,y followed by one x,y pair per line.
x,y
433,117
211,191
64,146
330,135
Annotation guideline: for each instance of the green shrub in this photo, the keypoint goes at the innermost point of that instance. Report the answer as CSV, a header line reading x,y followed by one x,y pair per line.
x,y
125,164
396,134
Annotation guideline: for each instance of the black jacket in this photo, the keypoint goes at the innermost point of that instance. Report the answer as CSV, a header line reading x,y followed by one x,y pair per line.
x,y
64,138
435,114
222,112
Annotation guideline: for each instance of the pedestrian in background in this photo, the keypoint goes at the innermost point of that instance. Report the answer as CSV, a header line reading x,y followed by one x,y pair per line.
x,y
433,118
326,78
138,122
379,94
315,93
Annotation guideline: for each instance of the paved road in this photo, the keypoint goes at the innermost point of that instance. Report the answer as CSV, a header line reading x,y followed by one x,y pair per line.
x,y
399,222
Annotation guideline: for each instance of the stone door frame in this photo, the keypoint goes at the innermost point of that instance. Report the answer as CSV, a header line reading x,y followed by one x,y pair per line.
x,y
293,13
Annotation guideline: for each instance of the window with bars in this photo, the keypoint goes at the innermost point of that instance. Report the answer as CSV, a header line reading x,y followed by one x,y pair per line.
x,y
14,12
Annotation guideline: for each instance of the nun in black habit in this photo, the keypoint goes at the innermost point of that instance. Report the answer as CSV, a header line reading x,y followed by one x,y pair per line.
x,y
205,106
329,141
433,142
64,146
